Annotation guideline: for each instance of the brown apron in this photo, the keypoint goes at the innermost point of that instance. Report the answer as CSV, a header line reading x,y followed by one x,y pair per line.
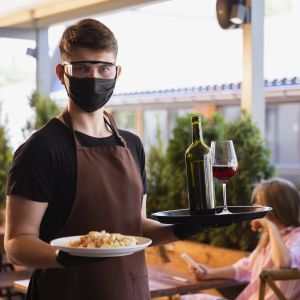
x,y
108,196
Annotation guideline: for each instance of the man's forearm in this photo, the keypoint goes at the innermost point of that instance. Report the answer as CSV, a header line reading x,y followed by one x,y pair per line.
x,y
159,233
27,250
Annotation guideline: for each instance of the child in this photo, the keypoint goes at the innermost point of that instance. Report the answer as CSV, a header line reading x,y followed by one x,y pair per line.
x,y
278,247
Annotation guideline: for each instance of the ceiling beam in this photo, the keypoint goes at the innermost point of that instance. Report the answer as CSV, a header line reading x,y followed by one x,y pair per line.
x,y
54,13
18,33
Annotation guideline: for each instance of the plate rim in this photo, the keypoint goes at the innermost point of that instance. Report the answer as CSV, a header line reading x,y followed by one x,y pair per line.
x,y
100,252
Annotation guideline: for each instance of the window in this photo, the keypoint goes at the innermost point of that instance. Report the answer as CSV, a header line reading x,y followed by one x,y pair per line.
x,y
155,120
283,133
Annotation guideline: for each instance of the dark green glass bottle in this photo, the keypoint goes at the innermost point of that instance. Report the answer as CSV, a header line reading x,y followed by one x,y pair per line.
x,y
199,174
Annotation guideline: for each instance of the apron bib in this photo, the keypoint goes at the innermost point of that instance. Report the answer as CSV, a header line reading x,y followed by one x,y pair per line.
x,y
108,196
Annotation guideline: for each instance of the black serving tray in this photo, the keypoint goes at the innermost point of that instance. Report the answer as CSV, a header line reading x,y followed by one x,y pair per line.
x,y
238,214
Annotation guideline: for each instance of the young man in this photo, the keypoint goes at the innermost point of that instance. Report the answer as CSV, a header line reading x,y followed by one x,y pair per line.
x,y
80,173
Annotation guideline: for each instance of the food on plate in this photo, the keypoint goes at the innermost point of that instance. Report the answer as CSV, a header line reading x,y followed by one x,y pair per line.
x,y
103,239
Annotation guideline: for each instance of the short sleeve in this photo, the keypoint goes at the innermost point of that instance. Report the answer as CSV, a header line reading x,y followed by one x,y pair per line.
x,y
242,269
137,150
31,175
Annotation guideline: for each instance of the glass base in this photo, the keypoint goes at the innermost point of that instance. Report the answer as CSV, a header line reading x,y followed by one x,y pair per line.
x,y
225,211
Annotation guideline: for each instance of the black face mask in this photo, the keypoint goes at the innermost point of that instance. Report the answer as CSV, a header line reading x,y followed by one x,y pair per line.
x,y
90,93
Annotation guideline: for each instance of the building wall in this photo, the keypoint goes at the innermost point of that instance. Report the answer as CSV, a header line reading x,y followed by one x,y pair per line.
x,y
282,128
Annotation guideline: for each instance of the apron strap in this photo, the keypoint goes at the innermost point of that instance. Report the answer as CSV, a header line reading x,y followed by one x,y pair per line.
x,y
110,123
67,118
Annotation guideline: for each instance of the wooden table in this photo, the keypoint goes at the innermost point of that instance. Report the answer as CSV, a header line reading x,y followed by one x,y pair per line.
x,y
166,280
21,285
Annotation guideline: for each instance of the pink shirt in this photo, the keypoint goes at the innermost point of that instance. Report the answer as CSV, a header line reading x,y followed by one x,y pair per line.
x,y
248,270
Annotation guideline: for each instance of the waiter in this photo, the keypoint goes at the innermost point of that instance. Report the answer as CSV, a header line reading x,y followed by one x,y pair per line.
x,y
80,173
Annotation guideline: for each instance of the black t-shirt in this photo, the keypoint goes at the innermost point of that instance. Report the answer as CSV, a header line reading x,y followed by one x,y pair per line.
x,y
44,169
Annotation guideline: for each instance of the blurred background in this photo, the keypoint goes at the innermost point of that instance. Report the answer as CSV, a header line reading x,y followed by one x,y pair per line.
x,y
176,61
169,51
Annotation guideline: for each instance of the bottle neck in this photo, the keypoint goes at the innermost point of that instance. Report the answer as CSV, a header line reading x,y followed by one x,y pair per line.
x,y
197,131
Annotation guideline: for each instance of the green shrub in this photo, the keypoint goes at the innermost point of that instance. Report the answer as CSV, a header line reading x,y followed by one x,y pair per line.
x,y
5,163
254,165
156,164
44,108
175,163
253,156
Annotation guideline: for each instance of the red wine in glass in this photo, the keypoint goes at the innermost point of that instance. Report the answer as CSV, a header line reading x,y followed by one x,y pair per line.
x,y
224,173
224,165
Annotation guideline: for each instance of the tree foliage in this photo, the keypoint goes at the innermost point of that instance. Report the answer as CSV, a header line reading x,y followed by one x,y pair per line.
x,y
44,109
156,164
5,163
170,184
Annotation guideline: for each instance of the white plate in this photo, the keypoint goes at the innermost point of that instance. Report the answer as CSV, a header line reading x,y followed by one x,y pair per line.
x,y
62,244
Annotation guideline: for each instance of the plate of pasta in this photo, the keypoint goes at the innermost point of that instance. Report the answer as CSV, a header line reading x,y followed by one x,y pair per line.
x,y
101,244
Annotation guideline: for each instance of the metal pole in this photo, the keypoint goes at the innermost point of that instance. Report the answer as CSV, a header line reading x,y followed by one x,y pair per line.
x,y
252,90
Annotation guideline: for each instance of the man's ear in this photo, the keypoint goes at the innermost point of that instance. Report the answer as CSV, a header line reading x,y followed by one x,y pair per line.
x,y
119,71
60,73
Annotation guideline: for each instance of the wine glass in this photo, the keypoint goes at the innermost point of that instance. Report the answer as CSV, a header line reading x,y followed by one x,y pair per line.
x,y
224,164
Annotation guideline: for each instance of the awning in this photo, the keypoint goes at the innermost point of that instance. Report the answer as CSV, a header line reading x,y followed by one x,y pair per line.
x,y
35,14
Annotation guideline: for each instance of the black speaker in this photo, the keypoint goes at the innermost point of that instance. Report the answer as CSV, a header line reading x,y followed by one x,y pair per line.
x,y
225,9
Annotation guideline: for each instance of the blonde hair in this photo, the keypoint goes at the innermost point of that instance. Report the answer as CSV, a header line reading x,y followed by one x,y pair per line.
x,y
284,198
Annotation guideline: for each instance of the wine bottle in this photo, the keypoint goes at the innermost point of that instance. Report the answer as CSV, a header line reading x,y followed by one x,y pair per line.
x,y
198,162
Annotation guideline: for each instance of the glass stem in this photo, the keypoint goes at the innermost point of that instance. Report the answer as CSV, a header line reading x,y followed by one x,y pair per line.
x,y
224,196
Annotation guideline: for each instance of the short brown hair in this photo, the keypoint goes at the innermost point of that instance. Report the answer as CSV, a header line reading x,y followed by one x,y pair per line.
x,y
88,33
